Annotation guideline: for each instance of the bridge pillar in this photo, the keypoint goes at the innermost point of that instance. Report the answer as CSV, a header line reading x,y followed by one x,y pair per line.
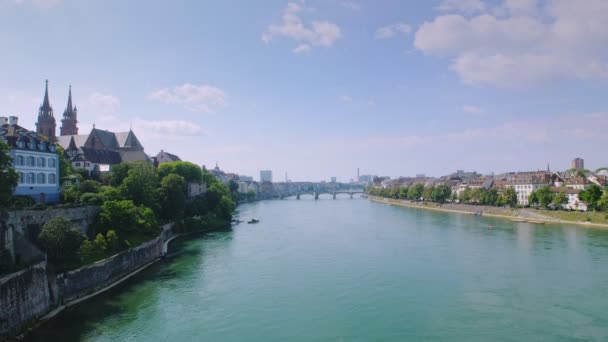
x,y
334,195
298,196
316,195
351,195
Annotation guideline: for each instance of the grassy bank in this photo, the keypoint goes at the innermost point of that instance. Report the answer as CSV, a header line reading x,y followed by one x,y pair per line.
x,y
530,215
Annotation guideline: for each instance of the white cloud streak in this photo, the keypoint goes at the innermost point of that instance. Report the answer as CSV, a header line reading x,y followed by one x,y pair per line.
x,y
390,31
317,34
198,98
520,43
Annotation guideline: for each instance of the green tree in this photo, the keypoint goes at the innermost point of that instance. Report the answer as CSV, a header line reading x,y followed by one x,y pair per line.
x,y
560,198
112,240
173,196
109,193
441,193
189,171
250,195
603,202
509,197
466,195
545,195
8,176
65,168
118,173
591,196
61,240
100,243
489,197
140,185
403,192
415,192
128,218
533,198
88,186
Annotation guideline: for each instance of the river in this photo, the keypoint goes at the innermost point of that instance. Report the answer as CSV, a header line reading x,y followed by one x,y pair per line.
x,y
354,270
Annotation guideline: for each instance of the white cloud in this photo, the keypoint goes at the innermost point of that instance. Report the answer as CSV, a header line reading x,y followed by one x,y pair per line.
x,y
351,5
105,103
389,31
200,98
302,48
318,33
464,6
168,127
346,98
472,110
522,42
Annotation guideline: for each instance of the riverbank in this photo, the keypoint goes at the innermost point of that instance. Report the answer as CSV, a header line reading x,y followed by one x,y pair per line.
x,y
521,215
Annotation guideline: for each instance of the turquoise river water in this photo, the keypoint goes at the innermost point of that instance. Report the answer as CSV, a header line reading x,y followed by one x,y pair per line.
x,y
354,270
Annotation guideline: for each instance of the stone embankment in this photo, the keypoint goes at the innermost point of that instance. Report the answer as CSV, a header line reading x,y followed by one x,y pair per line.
x,y
506,213
36,293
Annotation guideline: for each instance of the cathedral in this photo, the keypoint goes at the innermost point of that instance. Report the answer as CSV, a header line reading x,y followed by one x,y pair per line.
x,y
96,151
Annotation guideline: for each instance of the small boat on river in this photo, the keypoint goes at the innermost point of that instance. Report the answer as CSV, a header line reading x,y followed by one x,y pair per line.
x,y
253,220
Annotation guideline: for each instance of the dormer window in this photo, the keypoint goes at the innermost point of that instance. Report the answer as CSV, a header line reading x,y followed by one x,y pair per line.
x,y
42,146
53,148
21,144
32,145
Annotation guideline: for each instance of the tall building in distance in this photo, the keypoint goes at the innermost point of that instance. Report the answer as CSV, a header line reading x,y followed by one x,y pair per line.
x,y
266,176
333,179
69,123
46,124
578,163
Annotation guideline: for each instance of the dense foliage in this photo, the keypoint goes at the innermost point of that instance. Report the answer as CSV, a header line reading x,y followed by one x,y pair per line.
x,y
61,240
8,176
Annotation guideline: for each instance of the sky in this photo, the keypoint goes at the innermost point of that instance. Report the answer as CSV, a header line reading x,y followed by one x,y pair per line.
x,y
319,88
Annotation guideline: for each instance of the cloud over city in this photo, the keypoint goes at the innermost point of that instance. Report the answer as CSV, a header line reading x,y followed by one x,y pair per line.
x,y
198,98
520,42
307,36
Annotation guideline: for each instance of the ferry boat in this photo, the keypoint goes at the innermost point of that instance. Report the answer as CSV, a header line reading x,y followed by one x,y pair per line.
x,y
253,220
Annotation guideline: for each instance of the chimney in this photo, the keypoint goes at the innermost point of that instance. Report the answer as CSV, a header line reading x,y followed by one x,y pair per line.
x,y
3,120
13,120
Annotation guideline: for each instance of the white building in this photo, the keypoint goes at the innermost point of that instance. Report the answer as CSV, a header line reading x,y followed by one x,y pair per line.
x,y
266,176
525,183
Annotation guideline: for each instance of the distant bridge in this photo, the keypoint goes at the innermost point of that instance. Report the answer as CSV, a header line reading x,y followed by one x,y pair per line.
x,y
316,194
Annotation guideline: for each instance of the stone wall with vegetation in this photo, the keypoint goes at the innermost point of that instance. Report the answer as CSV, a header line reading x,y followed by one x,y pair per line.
x,y
89,279
24,297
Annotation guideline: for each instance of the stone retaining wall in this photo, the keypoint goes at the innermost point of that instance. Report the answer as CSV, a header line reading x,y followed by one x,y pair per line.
x,y
24,297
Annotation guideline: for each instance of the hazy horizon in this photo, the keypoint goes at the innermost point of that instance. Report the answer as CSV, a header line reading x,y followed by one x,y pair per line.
x,y
320,88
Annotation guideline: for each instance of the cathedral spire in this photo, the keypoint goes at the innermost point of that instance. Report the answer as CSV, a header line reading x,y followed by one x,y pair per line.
x,y
45,103
69,124
70,108
46,121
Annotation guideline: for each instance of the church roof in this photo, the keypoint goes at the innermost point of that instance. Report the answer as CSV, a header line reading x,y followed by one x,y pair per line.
x,y
79,140
134,155
107,138
128,140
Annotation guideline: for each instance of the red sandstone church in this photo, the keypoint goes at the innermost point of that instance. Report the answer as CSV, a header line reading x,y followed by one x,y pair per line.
x,y
95,151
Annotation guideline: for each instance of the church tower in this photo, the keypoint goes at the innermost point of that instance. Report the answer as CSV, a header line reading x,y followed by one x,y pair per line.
x,y
46,121
69,123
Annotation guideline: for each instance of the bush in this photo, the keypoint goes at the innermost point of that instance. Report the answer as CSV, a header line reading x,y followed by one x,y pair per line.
x,y
88,186
91,198
61,240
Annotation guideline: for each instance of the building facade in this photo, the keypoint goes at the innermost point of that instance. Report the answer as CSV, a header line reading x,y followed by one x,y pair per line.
x,y
266,176
35,159
578,163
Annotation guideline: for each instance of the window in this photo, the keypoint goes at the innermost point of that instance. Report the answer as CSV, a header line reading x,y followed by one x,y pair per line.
x,y
52,162
30,178
41,178
32,145
21,178
41,162
87,164
30,161
19,160
77,164
52,178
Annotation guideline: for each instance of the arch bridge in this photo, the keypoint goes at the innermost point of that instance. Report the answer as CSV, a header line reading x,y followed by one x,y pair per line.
x,y
316,194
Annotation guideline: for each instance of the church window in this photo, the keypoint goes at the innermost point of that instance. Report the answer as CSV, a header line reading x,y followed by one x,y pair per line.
x,y
41,178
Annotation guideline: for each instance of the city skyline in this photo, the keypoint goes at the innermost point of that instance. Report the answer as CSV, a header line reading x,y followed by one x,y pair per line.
x,y
319,89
